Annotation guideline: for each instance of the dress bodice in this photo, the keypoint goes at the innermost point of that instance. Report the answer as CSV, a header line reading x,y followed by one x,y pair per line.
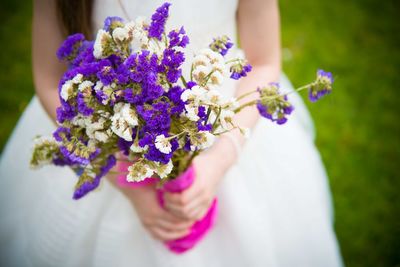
x,y
202,20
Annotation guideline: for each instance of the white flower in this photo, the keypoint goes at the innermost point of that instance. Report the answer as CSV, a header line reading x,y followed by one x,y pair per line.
x,y
79,120
123,120
85,85
200,73
191,112
120,34
102,40
120,127
138,172
163,144
196,94
129,115
214,97
77,79
99,86
101,136
163,170
135,148
216,78
201,140
201,60
226,119
43,151
156,47
67,90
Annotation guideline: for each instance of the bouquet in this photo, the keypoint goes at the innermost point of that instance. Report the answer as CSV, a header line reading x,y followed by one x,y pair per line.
x,y
125,98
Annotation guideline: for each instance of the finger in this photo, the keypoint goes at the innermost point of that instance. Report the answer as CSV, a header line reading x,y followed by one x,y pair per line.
x,y
178,211
164,235
187,211
184,197
168,226
173,217
199,213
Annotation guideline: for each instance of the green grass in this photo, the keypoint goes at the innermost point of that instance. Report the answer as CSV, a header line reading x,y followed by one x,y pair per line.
x,y
358,132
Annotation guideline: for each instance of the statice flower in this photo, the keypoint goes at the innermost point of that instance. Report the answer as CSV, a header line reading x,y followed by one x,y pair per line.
x,y
221,45
111,23
322,86
178,38
239,69
158,20
89,180
273,105
70,47
209,68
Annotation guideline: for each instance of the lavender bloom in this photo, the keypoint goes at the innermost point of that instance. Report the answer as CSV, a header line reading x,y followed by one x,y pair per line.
x,y
82,106
322,86
221,45
65,112
111,23
156,116
124,145
174,95
106,74
85,54
79,153
62,133
93,183
158,20
101,97
156,155
239,69
70,47
178,38
272,105
172,60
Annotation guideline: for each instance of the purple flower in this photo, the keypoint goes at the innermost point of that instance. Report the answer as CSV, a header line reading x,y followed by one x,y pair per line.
x,y
70,47
74,155
65,112
91,184
322,86
178,38
85,54
82,106
158,20
272,105
174,95
172,60
221,45
156,116
156,155
62,133
124,145
239,69
111,23
101,97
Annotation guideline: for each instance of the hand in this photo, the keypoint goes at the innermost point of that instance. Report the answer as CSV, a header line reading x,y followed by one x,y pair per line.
x,y
161,224
210,167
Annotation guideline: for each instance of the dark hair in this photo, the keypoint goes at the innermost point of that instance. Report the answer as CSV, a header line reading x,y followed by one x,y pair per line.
x,y
75,16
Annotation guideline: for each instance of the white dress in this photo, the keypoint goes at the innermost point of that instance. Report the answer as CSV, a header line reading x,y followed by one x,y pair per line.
x,y
275,207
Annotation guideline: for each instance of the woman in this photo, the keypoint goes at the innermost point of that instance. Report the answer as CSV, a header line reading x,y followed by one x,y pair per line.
x,y
272,189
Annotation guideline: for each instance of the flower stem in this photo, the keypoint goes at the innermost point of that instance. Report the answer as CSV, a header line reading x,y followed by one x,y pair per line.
x,y
246,94
183,81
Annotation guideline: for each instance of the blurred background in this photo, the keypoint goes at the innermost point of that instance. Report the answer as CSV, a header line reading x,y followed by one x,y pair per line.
x,y
358,125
